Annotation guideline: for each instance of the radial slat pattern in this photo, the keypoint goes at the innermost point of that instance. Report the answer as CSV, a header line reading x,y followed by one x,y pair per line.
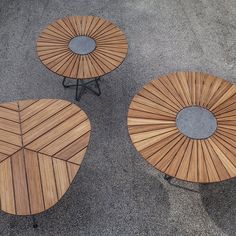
x,y
42,145
153,131
54,52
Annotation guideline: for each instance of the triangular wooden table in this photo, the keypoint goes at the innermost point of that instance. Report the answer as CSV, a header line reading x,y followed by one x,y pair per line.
x,y
42,144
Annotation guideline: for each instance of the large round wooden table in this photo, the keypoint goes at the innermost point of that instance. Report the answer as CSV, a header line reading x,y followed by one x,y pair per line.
x,y
81,48
42,144
184,124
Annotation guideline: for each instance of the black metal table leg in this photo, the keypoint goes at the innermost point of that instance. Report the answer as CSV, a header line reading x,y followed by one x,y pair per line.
x,y
84,86
63,83
168,178
35,225
99,90
82,90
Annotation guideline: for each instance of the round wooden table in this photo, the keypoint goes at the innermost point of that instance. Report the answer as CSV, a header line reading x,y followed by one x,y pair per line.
x,y
184,124
81,48
42,144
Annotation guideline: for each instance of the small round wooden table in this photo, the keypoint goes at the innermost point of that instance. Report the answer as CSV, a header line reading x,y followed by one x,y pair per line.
x,y
81,48
42,144
184,124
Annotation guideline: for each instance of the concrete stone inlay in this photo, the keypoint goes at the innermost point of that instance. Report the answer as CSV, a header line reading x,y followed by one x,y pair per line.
x,y
196,122
82,45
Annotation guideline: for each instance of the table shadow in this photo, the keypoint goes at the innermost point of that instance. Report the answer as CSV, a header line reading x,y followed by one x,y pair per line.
x,y
219,200
137,206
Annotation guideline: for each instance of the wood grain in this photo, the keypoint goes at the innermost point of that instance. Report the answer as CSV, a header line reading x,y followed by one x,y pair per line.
x,y
42,145
153,131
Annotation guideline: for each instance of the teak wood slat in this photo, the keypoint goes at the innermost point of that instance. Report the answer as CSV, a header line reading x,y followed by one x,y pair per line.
x,y
40,152
153,130
54,52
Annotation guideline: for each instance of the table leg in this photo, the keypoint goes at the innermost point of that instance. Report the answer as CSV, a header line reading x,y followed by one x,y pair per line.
x,y
168,178
79,94
84,86
35,225
63,83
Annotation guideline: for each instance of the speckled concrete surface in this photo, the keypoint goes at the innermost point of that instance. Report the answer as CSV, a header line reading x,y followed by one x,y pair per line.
x,y
116,192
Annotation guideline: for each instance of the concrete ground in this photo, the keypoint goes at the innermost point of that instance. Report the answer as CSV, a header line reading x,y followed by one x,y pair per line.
x,y
116,192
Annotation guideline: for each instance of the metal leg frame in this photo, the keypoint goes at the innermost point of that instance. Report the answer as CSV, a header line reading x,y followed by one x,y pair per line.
x,y
35,225
84,86
168,178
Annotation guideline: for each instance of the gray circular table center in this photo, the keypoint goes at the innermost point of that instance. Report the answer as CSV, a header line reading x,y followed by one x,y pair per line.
x,y
196,122
82,45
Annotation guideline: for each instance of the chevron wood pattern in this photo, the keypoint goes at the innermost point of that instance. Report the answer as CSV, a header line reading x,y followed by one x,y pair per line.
x,y
53,51
153,131
42,144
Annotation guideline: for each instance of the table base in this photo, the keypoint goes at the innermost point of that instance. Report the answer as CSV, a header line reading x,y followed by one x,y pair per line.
x,y
84,86
35,225
168,178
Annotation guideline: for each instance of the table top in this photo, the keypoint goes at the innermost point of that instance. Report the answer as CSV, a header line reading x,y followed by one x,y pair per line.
x,y
42,144
82,47
184,124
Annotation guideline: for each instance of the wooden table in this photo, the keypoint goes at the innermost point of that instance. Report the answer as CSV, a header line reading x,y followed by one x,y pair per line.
x,y
81,48
152,125
42,144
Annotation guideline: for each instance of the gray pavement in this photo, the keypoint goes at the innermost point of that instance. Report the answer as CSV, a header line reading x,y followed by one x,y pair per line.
x,y
116,192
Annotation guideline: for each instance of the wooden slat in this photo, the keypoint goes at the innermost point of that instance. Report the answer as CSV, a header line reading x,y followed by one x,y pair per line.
x,y
8,148
50,123
193,164
9,137
144,128
182,171
57,132
202,168
73,148
145,115
20,184
176,159
212,172
72,170
48,180
168,88
35,108
43,115
9,126
137,121
150,150
78,157
164,163
34,182
160,154
6,188
3,157
149,134
148,142
222,89
226,152
9,114
25,103
67,138
220,165
156,99
10,105
61,176
165,96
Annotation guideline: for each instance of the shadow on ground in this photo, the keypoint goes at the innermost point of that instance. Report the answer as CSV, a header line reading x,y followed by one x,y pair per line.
x,y
219,200
110,207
